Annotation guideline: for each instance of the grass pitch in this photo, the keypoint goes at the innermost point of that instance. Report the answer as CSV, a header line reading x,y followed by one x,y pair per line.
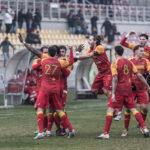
x,y
88,117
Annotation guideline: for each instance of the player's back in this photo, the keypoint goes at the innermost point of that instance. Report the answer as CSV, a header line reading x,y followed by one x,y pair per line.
x,y
124,70
51,69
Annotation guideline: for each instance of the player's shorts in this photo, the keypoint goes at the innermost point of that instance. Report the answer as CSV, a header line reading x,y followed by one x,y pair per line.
x,y
55,102
142,97
128,102
102,81
42,100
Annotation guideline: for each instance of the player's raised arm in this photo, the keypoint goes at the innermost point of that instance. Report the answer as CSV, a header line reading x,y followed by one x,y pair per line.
x,y
65,63
126,44
30,48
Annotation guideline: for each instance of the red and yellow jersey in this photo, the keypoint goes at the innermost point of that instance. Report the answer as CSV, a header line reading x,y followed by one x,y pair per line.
x,y
143,66
65,72
37,66
123,69
51,71
101,60
131,46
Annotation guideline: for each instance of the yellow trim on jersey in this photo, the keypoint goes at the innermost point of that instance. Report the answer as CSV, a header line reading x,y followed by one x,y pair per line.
x,y
134,69
88,51
99,49
50,113
114,68
64,63
147,64
131,46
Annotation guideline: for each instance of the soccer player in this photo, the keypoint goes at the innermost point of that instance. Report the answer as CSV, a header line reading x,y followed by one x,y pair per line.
x,y
37,66
143,39
50,90
140,91
122,70
102,81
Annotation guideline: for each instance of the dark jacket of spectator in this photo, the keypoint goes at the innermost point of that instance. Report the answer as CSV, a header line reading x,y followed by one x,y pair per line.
x,y
107,26
37,19
21,18
33,38
29,20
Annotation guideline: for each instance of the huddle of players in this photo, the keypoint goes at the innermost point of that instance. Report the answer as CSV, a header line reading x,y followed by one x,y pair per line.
x,y
53,69
115,81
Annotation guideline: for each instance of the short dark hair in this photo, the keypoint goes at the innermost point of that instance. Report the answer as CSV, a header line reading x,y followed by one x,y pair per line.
x,y
145,35
63,47
57,49
119,50
52,51
137,47
43,48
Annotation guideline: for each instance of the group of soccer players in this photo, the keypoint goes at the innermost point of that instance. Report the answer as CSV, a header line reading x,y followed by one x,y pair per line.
x,y
122,82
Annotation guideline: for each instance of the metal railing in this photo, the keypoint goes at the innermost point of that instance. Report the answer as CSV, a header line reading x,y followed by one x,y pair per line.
x,y
59,11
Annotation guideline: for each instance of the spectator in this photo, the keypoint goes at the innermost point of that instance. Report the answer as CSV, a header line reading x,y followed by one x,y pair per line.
x,y
21,17
37,19
5,49
8,21
94,24
29,20
71,18
1,21
107,27
13,28
113,33
33,37
79,22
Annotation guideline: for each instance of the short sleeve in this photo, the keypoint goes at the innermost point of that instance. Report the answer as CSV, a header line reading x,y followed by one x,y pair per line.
x,y
64,63
35,61
99,49
88,51
147,65
43,56
134,69
131,46
114,69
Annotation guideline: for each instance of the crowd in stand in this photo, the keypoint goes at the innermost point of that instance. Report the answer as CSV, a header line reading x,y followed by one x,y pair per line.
x,y
104,2
12,20
76,23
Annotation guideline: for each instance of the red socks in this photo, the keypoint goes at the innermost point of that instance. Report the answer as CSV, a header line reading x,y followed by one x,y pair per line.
x,y
45,121
127,117
139,118
57,120
144,114
108,122
63,118
50,121
40,120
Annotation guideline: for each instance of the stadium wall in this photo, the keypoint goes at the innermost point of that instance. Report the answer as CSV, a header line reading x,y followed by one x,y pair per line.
x,y
121,27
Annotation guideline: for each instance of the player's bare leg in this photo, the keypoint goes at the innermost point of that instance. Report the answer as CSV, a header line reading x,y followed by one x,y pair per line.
x,y
108,123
